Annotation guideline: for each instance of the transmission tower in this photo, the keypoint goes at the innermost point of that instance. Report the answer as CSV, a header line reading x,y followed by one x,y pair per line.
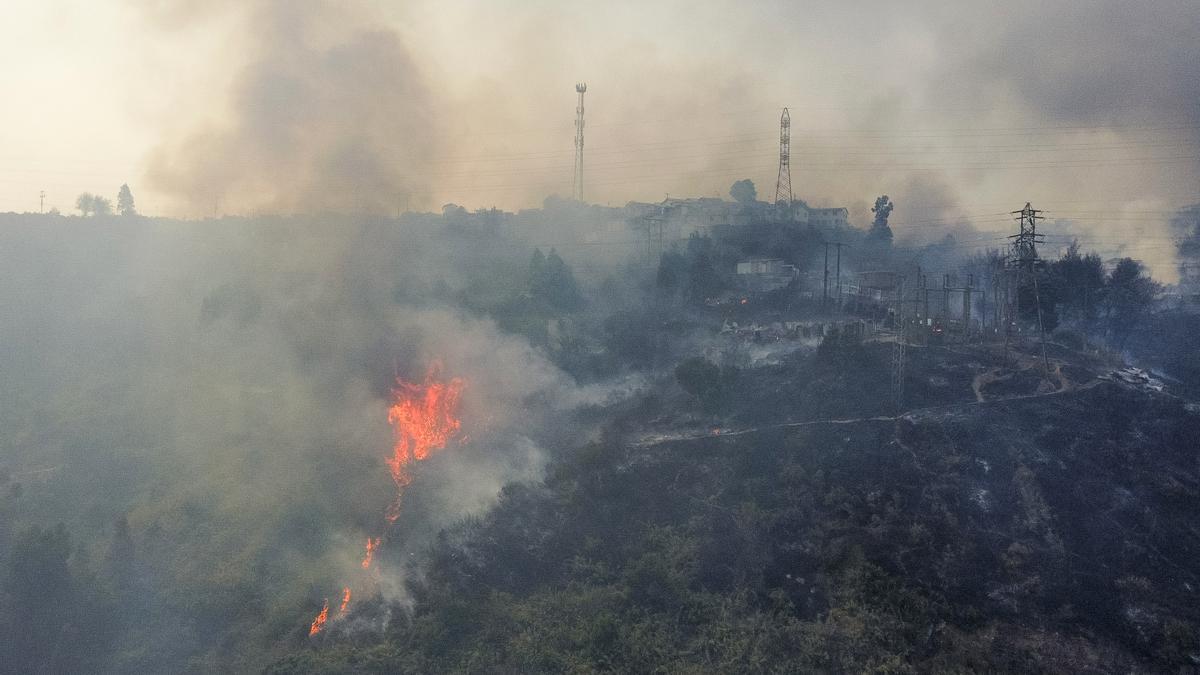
x,y
1026,240
577,187
783,184
1024,261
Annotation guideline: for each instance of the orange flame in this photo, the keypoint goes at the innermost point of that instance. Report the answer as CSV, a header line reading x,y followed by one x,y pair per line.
x,y
423,419
372,544
319,622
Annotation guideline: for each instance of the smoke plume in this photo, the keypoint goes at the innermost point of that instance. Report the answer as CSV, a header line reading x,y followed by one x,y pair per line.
x,y
327,112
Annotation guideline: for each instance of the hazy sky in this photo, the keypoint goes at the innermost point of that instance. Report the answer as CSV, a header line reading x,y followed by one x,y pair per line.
x,y
958,110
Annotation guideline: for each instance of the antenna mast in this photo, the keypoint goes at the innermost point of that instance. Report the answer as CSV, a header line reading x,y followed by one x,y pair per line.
x,y
577,187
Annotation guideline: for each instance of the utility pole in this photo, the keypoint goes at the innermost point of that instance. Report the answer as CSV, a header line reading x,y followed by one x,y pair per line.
x,y
577,186
898,351
783,184
825,288
839,246
945,297
917,297
42,201
997,276
967,290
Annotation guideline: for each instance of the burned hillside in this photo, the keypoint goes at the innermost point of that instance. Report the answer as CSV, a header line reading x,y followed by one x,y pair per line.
x,y
414,336
1028,531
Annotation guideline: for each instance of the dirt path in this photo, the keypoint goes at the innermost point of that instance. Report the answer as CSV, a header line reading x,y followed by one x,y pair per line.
x,y
984,379
1022,364
654,439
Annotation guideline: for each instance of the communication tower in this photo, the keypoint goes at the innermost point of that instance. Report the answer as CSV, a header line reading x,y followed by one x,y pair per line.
x,y
577,187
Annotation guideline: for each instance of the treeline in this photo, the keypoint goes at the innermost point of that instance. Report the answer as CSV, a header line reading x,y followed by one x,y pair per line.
x,y
60,612
1081,291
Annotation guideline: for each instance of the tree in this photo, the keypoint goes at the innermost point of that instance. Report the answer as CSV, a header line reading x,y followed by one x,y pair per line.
x,y
1077,281
672,272
703,379
86,203
704,279
125,201
743,191
1128,294
121,559
41,599
454,214
102,206
1186,224
537,266
93,205
880,232
552,284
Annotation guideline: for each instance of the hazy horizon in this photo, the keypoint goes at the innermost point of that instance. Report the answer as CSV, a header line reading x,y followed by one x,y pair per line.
x,y
959,111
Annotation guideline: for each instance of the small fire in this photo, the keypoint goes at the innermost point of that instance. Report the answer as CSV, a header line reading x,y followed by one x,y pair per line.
x,y
372,544
319,622
345,601
423,419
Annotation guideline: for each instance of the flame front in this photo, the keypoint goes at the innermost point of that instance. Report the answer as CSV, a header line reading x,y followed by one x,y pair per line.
x,y
319,622
345,601
372,542
424,417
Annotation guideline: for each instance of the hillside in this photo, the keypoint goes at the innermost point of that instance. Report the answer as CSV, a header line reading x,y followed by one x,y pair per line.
x,y
1002,524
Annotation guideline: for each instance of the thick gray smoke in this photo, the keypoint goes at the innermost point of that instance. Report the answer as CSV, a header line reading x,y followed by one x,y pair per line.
x,y
327,112
1186,226
1106,62
224,385
1098,103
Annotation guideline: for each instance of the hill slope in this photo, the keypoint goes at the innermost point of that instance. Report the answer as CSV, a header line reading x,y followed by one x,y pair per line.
x,y
1034,533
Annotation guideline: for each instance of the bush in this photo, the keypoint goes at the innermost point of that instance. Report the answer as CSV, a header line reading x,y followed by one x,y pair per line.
x,y
706,381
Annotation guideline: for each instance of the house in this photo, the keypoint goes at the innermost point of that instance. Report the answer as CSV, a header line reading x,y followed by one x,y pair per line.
x,y
760,275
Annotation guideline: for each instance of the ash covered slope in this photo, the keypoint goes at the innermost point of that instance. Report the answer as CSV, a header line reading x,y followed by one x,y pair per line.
x,y
1047,532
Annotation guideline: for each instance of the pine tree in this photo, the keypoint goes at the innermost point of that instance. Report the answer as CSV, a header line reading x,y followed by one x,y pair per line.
x,y
125,201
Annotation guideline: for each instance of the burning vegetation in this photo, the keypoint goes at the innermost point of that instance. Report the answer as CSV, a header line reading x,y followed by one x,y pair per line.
x,y
424,418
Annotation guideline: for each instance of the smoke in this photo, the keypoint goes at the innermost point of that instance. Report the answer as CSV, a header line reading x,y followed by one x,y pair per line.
x,y
1099,100
1085,110
1186,225
224,384
327,112
1104,62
